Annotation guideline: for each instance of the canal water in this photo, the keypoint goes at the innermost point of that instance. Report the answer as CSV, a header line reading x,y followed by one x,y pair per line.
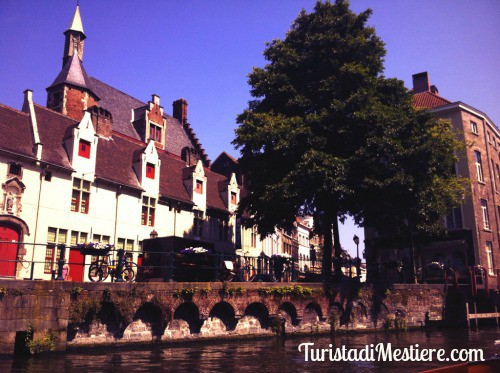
x,y
265,355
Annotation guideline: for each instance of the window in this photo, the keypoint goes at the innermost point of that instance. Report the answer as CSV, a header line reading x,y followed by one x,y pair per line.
x,y
101,238
148,211
150,170
489,137
77,237
223,230
253,237
489,257
454,219
54,237
233,198
47,176
473,127
493,170
125,244
154,132
486,217
15,169
198,223
81,196
479,167
199,187
84,149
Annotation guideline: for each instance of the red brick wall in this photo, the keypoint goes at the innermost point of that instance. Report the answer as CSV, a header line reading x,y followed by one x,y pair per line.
x,y
76,102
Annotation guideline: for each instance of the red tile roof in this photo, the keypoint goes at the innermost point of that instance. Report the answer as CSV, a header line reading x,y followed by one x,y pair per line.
x,y
428,100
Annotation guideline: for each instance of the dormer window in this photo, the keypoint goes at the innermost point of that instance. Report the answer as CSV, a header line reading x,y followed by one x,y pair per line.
x,y
154,132
84,149
15,169
233,198
150,171
199,187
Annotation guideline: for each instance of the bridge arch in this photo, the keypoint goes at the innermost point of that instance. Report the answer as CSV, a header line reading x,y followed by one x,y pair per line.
x,y
189,312
152,315
225,312
290,312
259,311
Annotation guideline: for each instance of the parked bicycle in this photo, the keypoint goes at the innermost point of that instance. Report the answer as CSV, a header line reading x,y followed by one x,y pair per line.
x,y
101,269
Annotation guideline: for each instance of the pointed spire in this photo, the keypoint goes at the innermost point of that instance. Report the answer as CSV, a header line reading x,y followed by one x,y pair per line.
x,y
76,23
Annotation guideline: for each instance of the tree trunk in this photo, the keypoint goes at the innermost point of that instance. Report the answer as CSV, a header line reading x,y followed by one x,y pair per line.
x,y
326,269
338,249
413,272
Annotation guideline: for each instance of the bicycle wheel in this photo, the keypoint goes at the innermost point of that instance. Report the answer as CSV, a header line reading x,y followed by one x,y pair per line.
x,y
95,272
129,271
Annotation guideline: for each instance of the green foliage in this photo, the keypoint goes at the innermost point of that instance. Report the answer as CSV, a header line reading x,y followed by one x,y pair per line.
x,y
400,323
296,291
84,310
15,292
328,135
184,293
47,343
75,292
3,291
204,292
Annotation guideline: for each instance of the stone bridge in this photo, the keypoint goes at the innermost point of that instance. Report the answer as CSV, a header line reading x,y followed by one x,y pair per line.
x,y
81,314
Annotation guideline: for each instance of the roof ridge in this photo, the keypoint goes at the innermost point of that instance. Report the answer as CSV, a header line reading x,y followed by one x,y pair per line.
x,y
13,109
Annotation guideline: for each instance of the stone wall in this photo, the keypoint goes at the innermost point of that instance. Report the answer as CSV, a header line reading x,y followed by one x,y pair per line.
x,y
83,314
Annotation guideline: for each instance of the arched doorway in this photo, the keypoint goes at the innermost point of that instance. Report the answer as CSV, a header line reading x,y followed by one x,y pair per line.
x,y
8,250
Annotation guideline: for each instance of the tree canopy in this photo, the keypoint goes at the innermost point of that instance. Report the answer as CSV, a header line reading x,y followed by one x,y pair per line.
x,y
328,135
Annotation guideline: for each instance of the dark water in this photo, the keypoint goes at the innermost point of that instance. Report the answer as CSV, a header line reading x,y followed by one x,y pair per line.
x,y
268,355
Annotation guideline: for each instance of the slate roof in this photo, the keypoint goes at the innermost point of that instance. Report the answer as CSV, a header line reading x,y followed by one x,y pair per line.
x,y
73,73
428,100
16,131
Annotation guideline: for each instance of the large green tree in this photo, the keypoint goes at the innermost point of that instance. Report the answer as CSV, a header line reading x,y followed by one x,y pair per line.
x,y
314,140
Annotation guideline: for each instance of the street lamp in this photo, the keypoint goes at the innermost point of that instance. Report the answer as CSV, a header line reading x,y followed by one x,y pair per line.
x,y
358,261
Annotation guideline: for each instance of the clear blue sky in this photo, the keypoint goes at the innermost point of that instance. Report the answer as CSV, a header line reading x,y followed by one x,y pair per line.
x,y
203,50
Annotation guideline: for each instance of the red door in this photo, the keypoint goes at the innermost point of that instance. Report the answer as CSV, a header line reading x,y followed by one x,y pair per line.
x,y
8,251
76,265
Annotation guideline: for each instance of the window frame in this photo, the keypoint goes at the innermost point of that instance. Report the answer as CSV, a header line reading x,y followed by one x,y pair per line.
x,y
52,252
198,219
234,198
485,213
199,186
474,128
148,211
479,166
80,197
12,169
155,132
490,258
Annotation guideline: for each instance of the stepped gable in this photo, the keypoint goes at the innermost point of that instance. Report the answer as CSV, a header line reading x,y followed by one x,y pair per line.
x,y
52,128
17,125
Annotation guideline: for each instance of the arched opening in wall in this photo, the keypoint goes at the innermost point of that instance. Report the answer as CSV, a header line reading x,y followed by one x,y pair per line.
x,y
288,311
12,230
188,312
259,311
150,314
459,264
110,316
225,312
315,308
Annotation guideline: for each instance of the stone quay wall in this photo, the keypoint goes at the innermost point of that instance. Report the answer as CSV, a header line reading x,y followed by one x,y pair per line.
x,y
60,315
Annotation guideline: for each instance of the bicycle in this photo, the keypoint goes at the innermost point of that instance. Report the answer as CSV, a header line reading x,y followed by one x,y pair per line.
x,y
100,270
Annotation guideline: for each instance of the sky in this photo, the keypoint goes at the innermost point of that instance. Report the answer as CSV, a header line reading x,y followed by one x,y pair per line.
x,y
203,51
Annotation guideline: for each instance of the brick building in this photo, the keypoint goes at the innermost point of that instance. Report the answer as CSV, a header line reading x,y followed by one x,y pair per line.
x,y
474,227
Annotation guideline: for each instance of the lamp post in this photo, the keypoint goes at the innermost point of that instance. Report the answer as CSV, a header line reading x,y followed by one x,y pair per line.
x,y
358,261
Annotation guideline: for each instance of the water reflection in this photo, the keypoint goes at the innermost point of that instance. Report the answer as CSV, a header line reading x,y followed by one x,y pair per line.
x,y
275,355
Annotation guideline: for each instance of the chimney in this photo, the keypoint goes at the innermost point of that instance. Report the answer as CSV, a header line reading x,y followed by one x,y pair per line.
x,y
421,82
102,121
180,110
